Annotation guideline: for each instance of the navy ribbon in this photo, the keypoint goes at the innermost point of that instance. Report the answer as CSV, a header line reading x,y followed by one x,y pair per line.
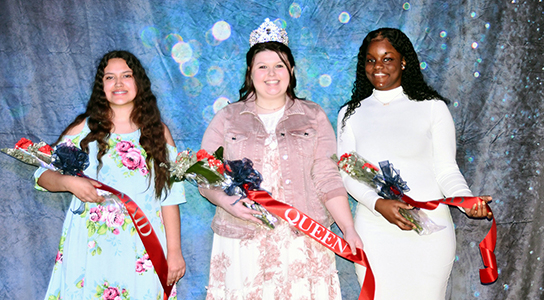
x,y
390,179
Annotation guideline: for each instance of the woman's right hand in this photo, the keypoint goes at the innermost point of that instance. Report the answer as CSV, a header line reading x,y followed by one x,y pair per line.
x,y
389,209
83,188
240,211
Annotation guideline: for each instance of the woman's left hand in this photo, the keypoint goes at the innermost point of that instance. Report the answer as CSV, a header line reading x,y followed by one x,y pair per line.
x,y
480,210
176,267
353,239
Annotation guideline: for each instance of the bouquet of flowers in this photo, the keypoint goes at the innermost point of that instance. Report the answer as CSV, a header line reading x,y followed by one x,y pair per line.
x,y
64,158
25,150
385,182
212,172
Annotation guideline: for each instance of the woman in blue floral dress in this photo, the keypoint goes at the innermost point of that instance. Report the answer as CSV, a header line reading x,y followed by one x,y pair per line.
x,y
100,255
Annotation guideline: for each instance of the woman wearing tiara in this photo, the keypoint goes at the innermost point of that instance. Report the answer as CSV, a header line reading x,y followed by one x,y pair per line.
x,y
394,115
290,142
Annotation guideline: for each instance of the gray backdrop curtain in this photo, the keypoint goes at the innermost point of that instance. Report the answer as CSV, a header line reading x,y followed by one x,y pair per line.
x,y
486,56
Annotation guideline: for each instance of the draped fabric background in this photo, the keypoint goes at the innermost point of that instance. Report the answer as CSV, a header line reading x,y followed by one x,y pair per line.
x,y
486,56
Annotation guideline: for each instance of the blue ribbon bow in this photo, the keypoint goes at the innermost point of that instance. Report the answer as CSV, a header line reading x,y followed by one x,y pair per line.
x,y
242,173
390,178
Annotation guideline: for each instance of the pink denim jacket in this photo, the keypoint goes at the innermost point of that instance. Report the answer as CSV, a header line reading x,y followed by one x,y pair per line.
x,y
306,142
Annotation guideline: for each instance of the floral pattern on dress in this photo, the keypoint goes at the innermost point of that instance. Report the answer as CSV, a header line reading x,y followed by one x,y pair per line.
x,y
280,264
128,155
99,248
107,292
143,263
101,220
60,252
54,297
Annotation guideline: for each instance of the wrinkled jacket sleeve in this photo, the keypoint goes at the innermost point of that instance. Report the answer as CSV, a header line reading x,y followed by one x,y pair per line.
x,y
214,134
325,172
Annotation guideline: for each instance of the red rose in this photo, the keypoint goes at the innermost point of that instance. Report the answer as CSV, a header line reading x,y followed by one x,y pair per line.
x,y
202,154
23,144
213,162
370,166
46,149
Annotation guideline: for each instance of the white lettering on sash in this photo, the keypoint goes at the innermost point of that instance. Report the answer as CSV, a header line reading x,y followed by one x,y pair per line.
x,y
301,223
326,238
293,222
318,229
314,229
140,226
341,247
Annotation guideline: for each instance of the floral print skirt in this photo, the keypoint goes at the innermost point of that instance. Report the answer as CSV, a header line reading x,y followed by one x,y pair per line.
x,y
275,264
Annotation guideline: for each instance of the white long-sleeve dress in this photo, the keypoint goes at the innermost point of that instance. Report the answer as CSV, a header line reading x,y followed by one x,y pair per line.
x,y
418,138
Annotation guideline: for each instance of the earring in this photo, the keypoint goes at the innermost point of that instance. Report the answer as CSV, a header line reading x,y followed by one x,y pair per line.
x,y
403,67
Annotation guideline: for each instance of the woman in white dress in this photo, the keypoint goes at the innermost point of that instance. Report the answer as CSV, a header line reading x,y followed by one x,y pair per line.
x,y
394,115
290,142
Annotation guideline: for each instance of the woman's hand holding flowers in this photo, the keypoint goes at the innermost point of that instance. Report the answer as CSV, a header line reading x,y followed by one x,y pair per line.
x,y
389,209
83,188
480,211
240,211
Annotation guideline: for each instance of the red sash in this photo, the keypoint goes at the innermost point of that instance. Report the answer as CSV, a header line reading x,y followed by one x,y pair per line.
x,y
146,233
339,246
319,233
489,274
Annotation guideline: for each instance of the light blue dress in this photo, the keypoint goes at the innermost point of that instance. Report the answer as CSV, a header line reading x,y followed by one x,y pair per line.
x,y
101,256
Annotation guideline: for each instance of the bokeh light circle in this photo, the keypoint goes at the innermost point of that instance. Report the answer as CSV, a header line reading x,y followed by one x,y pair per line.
x,y
325,80
304,94
169,41
189,68
344,17
406,6
294,10
474,45
423,65
443,46
215,75
207,113
210,39
281,23
192,87
219,103
476,74
443,34
306,36
473,14
221,30
149,36
182,52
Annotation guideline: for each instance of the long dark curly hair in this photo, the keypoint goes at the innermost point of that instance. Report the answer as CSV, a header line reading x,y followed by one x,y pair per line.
x,y
145,115
283,52
412,81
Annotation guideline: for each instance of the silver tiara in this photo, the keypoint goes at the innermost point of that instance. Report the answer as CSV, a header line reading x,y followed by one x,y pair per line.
x,y
268,32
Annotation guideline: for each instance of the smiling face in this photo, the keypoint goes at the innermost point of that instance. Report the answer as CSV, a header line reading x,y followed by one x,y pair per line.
x,y
383,65
270,76
119,84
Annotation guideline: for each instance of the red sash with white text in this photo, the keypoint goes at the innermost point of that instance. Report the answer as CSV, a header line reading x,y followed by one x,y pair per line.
x,y
147,235
339,246
319,233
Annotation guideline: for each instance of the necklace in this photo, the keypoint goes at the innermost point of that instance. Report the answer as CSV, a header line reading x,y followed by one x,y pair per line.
x,y
269,108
